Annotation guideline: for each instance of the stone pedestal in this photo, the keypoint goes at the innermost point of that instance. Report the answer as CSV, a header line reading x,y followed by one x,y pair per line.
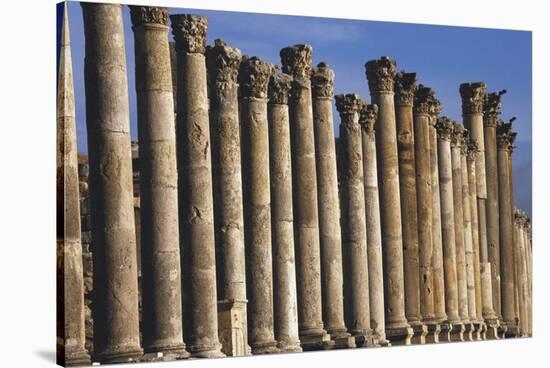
x,y
322,82
284,265
296,61
367,119
380,74
116,317
197,239
223,67
254,77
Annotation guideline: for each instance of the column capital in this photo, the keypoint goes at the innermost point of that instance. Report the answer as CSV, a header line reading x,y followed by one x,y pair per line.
x,y
348,105
457,135
367,117
444,128
473,149
472,95
423,100
464,141
491,107
148,15
254,76
322,81
189,32
380,74
296,61
279,88
223,64
505,136
435,109
405,88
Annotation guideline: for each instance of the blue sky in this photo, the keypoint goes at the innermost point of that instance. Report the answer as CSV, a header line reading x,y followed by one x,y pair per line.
x,y
442,56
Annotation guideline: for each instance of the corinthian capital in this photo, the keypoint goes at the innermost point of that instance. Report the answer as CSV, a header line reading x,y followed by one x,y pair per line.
x,y
472,149
465,139
296,61
279,88
445,127
423,100
380,74
189,32
473,95
367,117
491,106
254,76
348,105
223,66
457,135
405,88
148,15
322,81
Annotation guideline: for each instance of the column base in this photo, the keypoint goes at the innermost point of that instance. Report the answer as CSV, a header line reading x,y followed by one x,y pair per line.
x,y
420,331
479,331
232,327
491,332
289,347
76,357
469,330
342,339
457,332
165,353
512,330
265,347
206,351
316,340
502,331
445,331
380,340
434,329
113,356
363,338
399,335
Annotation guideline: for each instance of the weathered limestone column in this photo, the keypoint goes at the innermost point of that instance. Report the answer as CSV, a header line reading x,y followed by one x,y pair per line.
x,y
529,257
116,317
367,119
405,88
506,231
512,138
437,256
468,239
354,231
380,74
197,239
284,267
223,64
444,133
471,174
322,82
160,252
296,61
254,78
70,271
473,96
423,100
522,279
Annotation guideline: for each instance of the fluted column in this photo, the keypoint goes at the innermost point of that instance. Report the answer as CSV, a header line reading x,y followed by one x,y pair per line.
x,y
296,61
367,119
444,133
254,78
405,88
197,239
380,74
322,82
354,231
423,100
160,252
70,271
116,317
223,63
284,266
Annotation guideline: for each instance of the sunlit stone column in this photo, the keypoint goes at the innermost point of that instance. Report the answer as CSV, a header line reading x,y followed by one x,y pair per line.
x,y
423,100
332,275
380,74
512,138
197,239
285,301
367,119
160,250
296,61
223,64
116,317
405,88
521,286
444,133
354,231
70,271
254,78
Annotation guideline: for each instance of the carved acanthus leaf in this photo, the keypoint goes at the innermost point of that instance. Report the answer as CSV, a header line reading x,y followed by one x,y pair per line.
x,y
322,81
405,88
189,32
223,64
296,61
148,15
254,76
473,95
279,88
368,116
380,74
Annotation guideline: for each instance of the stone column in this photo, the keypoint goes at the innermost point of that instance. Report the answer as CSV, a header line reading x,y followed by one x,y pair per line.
x,y
296,61
380,74
197,239
223,64
437,242
354,231
322,82
506,231
423,100
70,271
444,133
471,174
254,78
160,253
529,257
522,279
367,119
284,266
116,316
512,138
405,88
